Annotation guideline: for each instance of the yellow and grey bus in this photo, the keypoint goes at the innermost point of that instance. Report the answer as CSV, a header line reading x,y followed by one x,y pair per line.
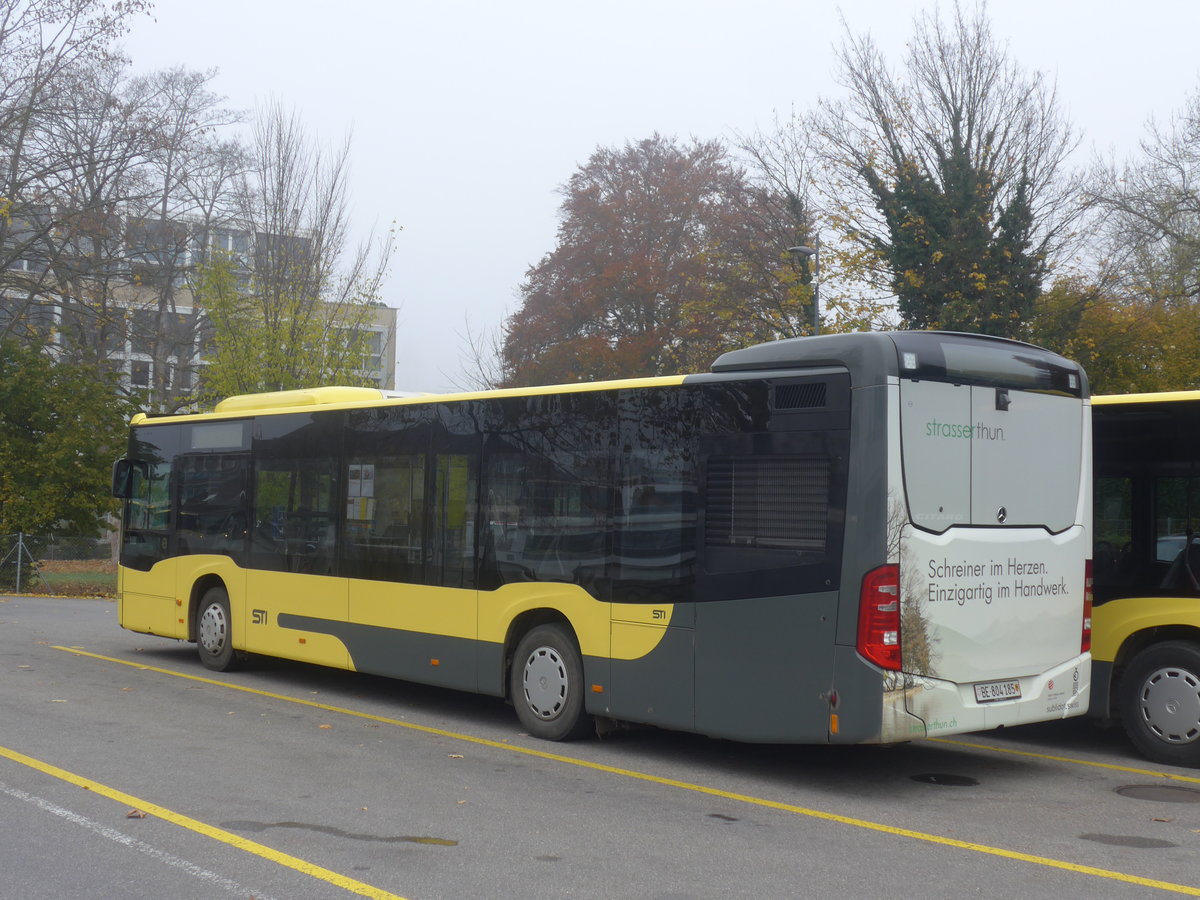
x,y
1147,570
845,538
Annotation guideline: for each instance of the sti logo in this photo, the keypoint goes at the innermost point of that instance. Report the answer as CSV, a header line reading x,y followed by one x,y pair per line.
x,y
258,616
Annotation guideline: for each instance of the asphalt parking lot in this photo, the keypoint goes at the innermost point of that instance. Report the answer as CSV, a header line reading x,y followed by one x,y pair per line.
x,y
128,770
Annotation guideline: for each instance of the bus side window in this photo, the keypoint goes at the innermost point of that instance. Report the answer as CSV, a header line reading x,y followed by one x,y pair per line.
x,y
1112,553
1177,516
294,515
385,516
452,552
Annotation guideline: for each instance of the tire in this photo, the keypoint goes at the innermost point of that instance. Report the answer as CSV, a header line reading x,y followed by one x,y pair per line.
x,y
1160,703
214,632
546,684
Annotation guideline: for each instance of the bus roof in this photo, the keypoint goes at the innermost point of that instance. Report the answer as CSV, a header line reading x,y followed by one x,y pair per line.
x,y
1154,397
343,397
870,357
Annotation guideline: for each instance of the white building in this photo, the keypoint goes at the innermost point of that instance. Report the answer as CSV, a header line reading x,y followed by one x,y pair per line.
x,y
136,310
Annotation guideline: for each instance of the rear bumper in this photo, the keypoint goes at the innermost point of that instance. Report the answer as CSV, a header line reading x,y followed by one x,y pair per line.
x,y
927,707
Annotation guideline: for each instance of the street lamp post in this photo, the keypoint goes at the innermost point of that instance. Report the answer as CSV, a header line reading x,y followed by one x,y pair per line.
x,y
814,253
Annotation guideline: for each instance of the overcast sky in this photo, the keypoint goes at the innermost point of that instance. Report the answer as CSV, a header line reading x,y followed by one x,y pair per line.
x,y
467,116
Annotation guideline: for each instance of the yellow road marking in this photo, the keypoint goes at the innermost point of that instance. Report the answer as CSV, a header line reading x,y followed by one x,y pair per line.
x,y
1187,890
1069,759
217,834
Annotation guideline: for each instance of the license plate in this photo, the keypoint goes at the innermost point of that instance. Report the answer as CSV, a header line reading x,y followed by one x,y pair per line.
x,y
997,690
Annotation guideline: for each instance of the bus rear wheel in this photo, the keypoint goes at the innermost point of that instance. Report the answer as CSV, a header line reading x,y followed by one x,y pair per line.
x,y
214,631
1160,703
547,685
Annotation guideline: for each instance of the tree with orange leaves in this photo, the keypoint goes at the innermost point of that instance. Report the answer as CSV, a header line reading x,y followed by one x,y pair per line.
x,y
666,254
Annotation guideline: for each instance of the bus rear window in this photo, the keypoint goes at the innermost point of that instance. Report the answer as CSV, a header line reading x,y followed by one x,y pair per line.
x,y
1001,364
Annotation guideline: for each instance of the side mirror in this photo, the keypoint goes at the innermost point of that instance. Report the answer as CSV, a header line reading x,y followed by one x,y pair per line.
x,y
122,478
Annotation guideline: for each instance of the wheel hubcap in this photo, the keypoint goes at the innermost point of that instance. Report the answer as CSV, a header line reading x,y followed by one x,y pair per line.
x,y
545,680
1170,705
213,629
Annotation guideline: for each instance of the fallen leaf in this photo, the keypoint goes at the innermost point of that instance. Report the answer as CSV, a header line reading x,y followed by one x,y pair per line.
x,y
135,814
1157,819
324,727
455,755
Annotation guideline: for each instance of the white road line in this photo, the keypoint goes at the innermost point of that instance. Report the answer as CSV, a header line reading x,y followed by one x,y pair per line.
x,y
133,843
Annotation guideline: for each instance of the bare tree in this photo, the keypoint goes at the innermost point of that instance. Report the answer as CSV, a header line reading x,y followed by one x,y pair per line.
x,y
100,133
951,175
1150,209
481,357
303,319
193,176
131,176
57,69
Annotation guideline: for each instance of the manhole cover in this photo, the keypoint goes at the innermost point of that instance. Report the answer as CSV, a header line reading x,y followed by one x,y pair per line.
x,y
1160,793
946,780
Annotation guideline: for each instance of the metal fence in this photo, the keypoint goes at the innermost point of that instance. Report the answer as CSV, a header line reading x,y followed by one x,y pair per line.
x,y
55,547
22,555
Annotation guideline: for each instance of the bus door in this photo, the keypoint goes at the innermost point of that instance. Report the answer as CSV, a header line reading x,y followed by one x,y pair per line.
x,y
992,548
148,564
409,548
294,600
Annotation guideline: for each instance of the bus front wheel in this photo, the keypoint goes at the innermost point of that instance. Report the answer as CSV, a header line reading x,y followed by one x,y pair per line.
x,y
1160,703
547,685
214,631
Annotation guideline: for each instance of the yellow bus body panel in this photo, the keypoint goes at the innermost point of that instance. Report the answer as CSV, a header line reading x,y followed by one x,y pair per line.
x,y
1113,622
269,595
637,628
147,599
414,607
189,571
588,616
157,602
1154,397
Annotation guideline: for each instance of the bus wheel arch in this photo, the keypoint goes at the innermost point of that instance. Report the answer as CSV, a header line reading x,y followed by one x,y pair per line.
x,y
201,587
1159,700
1133,645
214,630
545,678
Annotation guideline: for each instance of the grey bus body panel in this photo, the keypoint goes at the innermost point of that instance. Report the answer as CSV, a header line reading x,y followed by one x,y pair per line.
x,y
870,356
866,501
397,653
756,664
649,689
764,668
860,689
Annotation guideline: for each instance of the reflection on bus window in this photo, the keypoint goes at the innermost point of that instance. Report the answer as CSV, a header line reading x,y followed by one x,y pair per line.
x,y
294,513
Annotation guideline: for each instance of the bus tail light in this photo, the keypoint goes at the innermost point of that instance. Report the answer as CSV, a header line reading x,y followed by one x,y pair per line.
x,y
879,617
1085,643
